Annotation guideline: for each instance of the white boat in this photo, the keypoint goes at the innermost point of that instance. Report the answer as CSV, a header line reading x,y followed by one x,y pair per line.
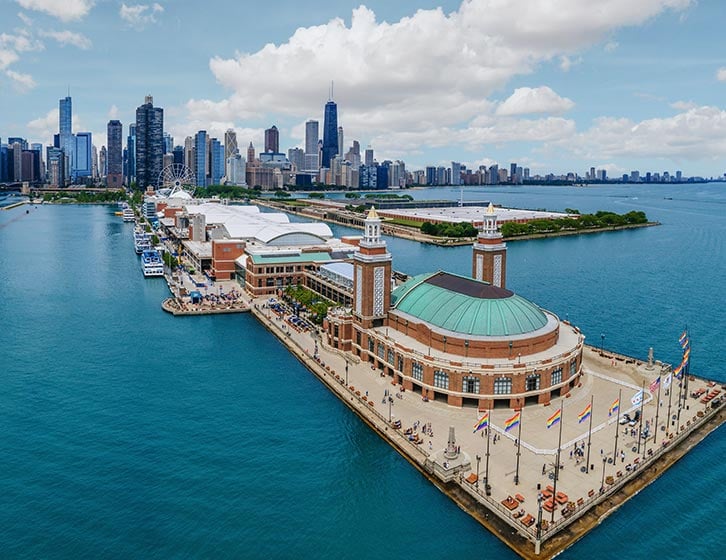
x,y
141,242
128,215
151,264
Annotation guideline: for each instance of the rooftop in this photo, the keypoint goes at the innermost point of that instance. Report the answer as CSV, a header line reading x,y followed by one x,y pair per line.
x,y
466,306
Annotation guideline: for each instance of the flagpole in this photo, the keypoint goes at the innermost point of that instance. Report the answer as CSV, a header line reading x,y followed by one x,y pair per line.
x,y
557,464
680,401
657,409
589,437
486,466
688,369
519,444
642,400
670,397
617,427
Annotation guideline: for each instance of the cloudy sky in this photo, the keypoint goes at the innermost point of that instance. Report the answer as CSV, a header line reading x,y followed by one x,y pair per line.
x,y
556,85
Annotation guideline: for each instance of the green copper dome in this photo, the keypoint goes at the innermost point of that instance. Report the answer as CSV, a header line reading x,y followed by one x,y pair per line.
x,y
466,306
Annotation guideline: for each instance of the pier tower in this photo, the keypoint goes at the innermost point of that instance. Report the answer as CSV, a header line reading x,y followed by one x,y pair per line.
x,y
372,276
489,261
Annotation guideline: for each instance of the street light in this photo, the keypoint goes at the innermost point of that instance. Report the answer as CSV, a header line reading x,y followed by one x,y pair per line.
x,y
539,516
478,459
510,348
390,404
602,343
346,372
602,483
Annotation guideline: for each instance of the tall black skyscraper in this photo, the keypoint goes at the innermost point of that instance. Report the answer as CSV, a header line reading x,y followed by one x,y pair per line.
x,y
330,133
272,140
114,159
149,143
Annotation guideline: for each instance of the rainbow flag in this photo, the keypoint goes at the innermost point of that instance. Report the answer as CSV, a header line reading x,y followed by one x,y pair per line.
x,y
585,414
482,423
686,355
686,345
678,372
511,422
556,417
614,407
683,340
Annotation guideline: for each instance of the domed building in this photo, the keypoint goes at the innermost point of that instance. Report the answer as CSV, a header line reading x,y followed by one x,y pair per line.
x,y
468,341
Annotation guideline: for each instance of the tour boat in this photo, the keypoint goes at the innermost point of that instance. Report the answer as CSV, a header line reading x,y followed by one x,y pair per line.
x,y
152,264
141,242
128,215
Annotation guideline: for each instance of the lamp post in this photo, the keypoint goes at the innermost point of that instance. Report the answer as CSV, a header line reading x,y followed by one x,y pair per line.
x,y
602,482
539,516
478,459
602,344
346,372
510,348
390,404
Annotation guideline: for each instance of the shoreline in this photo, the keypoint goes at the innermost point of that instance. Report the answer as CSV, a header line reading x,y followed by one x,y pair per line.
x,y
483,509
412,234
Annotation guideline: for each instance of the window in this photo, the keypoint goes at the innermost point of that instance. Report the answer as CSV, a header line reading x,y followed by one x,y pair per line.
x,y
470,384
357,337
573,368
503,386
336,331
417,371
400,363
381,351
557,376
532,382
371,345
441,379
226,249
391,358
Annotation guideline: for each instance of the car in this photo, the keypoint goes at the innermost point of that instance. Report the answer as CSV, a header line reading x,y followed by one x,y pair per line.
x,y
635,419
625,418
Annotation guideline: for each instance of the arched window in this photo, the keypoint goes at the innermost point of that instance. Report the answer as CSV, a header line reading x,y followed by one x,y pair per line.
x,y
470,384
417,371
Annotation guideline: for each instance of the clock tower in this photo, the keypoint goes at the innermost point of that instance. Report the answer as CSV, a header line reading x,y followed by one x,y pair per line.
x,y
372,276
490,252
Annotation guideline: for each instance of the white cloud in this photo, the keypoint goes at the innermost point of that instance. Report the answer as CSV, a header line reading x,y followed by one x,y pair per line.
x,y
611,46
683,105
567,62
7,57
22,82
22,42
721,74
698,133
113,112
69,38
527,100
140,15
65,10
25,19
402,80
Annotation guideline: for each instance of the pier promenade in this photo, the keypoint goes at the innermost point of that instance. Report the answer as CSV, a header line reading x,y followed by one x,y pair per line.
x,y
519,486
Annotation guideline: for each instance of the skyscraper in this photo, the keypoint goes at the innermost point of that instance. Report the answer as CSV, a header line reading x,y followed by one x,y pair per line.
x,y
131,155
94,162
103,162
250,154
272,140
83,155
341,142
330,133
149,143
200,149
114,173
65,134
216,160
311,137
230,143
369,156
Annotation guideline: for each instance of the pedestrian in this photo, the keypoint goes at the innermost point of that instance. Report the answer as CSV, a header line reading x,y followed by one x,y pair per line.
x,y
570,458
544,467
430,446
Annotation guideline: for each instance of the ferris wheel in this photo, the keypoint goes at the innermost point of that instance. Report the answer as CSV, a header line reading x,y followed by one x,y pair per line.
x,y
175,179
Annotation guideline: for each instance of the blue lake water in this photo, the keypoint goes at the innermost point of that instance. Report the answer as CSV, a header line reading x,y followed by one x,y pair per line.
x,y
129,433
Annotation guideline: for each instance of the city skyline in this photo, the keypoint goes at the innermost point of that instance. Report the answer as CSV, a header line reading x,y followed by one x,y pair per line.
x,y
632,87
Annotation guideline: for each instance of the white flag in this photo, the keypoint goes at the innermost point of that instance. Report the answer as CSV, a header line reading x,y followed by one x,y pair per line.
x,y
637,398
667,380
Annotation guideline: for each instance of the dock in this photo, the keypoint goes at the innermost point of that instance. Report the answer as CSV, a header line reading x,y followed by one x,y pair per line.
x,y
589,495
